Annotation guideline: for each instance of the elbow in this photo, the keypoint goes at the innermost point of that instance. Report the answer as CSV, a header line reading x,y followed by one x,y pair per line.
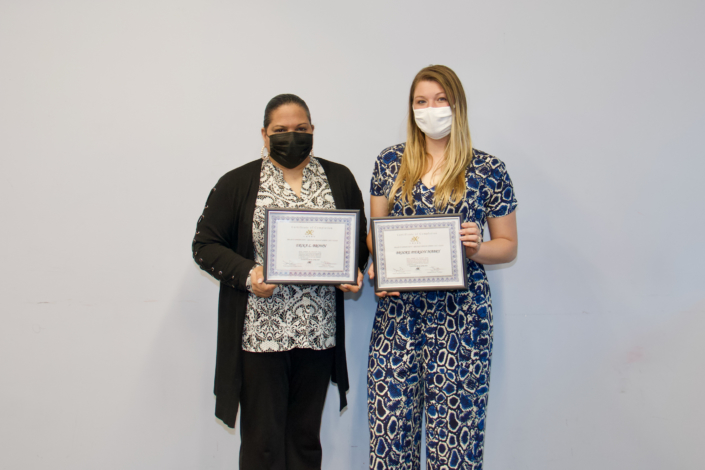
x,y
196,248
512,255
506,254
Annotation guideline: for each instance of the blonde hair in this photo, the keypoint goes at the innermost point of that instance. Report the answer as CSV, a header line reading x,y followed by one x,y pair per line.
x,y
458,151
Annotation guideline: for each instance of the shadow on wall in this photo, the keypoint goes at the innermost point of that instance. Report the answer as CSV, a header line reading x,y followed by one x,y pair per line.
x,y
179,372
583,354
173,390
345,436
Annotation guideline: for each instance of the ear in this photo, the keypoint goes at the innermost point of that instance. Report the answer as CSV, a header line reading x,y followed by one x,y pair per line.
x,y
313,128
265,139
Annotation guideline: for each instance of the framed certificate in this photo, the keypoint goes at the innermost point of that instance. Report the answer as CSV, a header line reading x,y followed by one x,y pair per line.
x,y
311,246
418,253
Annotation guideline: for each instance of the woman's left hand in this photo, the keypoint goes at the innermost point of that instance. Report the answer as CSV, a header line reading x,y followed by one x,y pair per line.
x,y
352,287
471,236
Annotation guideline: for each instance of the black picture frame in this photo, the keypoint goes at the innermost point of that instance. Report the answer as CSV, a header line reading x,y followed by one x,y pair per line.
x,y
375,253
354,239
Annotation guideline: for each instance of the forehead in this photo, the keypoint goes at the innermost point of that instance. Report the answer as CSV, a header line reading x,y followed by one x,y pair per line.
x,y
289,113
428,88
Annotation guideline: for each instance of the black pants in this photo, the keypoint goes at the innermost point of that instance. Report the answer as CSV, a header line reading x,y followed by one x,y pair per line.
x,y
281,404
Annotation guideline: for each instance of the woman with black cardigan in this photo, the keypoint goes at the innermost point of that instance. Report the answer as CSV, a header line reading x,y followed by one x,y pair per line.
x,y
278,346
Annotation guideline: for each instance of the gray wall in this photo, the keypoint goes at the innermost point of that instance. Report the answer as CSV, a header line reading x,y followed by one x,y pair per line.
x,y
116,118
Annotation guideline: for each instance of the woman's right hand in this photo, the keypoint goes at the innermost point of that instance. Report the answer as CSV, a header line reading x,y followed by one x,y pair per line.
x,y
381,294
259,287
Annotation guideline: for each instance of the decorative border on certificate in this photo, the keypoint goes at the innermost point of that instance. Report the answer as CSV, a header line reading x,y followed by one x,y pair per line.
x,y
335,264
445,229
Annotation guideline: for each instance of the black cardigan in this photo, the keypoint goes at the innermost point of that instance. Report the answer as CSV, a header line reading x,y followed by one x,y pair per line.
x,y
223,248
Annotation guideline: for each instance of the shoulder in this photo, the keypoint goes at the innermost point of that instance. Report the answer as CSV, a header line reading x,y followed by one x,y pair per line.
x,y
236,183
486,165
334,170
391,154
241,174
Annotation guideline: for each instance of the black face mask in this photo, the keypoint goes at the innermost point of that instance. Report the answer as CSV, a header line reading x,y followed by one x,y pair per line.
x,y
289,149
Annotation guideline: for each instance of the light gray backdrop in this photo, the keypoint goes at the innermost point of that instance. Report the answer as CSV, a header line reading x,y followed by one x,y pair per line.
x,y
116,119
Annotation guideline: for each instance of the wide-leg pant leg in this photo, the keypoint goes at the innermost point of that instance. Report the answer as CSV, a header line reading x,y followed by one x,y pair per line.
x,y
457,354
281,404
395,384
307,395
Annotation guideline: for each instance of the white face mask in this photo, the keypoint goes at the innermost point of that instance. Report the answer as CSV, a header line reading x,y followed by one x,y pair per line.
x,y
434,122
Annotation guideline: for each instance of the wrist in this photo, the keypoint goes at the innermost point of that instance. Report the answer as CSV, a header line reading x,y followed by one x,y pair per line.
x,y
248,282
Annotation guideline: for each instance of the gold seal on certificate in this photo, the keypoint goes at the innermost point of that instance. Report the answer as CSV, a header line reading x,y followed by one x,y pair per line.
x,y
418,253
311,246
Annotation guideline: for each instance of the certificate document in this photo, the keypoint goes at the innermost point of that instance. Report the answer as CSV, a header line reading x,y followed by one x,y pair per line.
x,y
418,253
311,246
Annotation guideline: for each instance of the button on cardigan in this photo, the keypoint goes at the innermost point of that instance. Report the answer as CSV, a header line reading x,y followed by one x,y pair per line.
x,y
223,247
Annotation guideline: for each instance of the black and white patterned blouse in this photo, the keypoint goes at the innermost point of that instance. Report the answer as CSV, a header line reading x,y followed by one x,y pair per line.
x,y
295,316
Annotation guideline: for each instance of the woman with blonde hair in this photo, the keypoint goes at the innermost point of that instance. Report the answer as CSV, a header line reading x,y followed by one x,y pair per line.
x,y
430,351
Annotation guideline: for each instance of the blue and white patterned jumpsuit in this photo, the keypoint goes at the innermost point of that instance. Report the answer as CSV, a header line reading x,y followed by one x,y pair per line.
x,y
432,350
